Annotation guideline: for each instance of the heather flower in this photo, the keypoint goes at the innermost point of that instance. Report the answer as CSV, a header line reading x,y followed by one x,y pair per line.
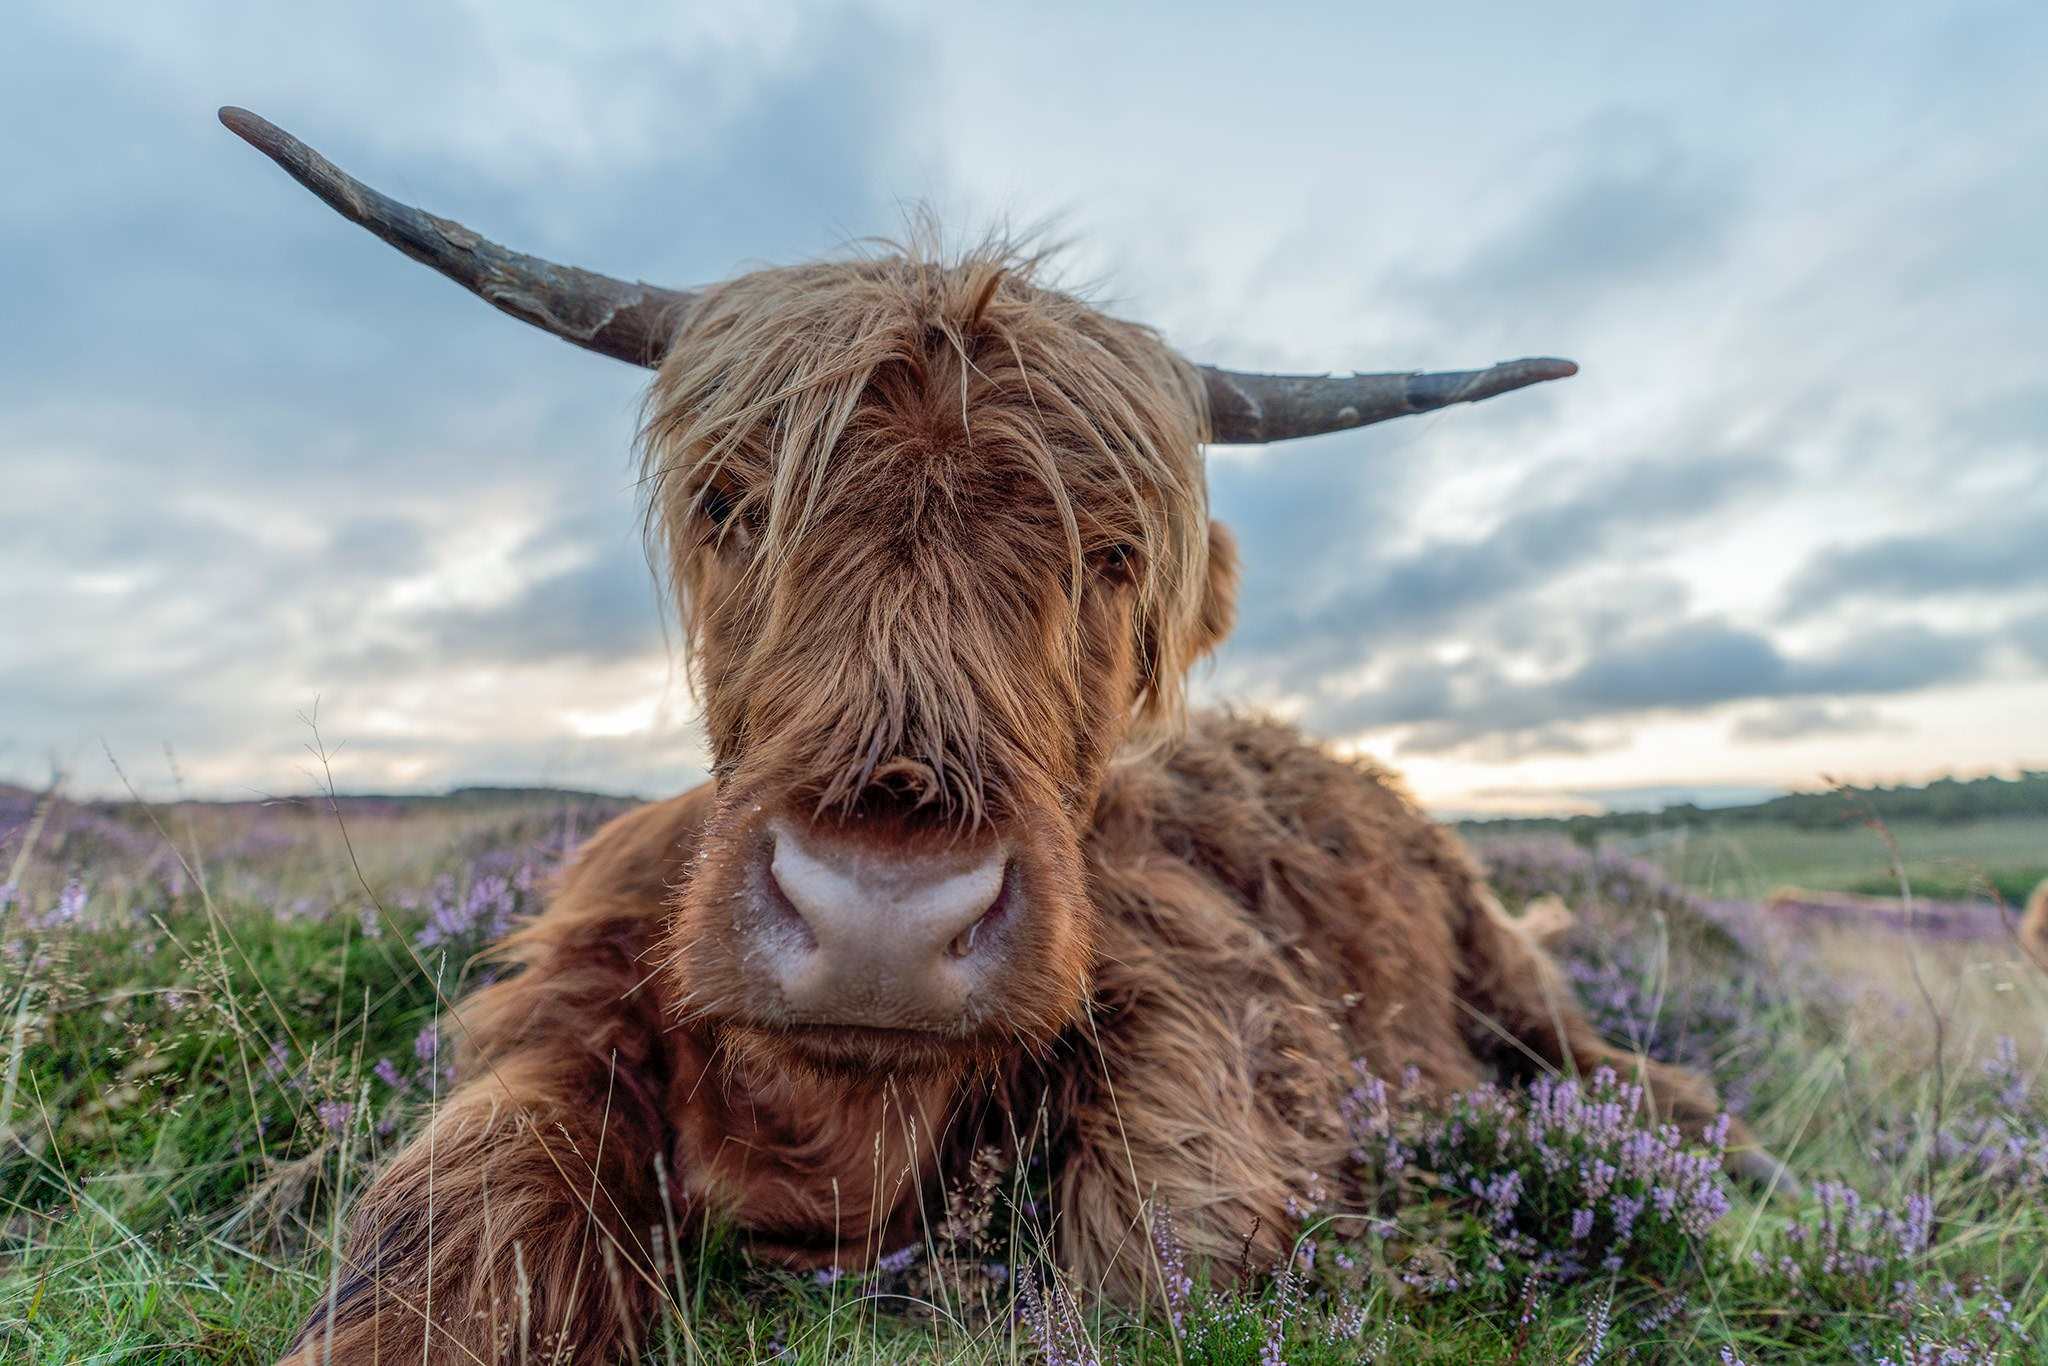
x,y
1173,1266
474,913
2003,1070
388,1073
67,909
1278,1317
1053,1320
1623,1209
890,1264
1346,1325
1664,1311
1500,1193
334,1115
1565,1177
1598,1322
1998,1133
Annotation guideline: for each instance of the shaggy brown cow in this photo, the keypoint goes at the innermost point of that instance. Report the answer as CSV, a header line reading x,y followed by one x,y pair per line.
x,y
941,543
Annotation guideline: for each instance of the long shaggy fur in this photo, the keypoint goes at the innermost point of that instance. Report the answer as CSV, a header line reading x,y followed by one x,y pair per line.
x,y
2034,926
939,538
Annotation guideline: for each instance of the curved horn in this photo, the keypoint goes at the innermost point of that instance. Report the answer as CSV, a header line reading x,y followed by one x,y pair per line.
x,y
1246,408
629,322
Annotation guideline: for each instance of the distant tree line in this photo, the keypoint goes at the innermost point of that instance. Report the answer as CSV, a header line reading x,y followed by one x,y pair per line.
x,y
1943,801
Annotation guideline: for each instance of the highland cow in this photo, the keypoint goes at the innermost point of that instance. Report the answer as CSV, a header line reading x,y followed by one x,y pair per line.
x,y
966,865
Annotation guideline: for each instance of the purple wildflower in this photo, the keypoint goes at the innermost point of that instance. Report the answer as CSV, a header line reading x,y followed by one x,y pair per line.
x,y
477,914
1571,1172
1054,1321
1597,1324
890,1264
1347,1324
2003,1070
1173,1266
1623,1210
66,910
1279,1316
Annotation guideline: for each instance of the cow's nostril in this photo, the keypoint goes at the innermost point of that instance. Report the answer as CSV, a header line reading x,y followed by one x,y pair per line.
x,y
962,944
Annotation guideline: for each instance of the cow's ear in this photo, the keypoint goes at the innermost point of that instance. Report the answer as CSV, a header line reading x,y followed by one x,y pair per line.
x,y
1219,594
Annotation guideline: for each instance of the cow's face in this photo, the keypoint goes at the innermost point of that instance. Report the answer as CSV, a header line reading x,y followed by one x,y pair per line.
x,y
941,541
939,536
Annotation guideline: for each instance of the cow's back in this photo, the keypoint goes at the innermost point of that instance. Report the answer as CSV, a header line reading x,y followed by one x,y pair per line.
x,y
1327,861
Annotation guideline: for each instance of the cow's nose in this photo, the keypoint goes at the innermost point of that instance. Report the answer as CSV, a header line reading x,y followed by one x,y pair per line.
x,y
882,938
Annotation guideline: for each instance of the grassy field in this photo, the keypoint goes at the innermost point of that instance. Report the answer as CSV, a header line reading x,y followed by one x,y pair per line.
x,y
1941,860
211,1036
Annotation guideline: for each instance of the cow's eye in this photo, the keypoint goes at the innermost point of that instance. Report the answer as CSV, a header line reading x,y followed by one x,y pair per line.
x,y
1117,562
719,503
733,521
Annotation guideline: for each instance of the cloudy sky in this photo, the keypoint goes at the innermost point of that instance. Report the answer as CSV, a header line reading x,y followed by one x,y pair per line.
x,y
1791,521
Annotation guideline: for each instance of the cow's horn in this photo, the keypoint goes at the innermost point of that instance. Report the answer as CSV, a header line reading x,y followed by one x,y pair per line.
x,y
627,321
1247,408
635,321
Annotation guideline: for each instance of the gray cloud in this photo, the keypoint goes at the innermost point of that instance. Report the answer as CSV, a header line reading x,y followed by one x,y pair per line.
x,y
1391,598
1803,720
1506,746
1476,708
1998,556
1632,205
1697,664
2031,634
605,609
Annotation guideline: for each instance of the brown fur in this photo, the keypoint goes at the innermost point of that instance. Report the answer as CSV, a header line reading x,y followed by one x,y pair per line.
x,y
2034,926
941,546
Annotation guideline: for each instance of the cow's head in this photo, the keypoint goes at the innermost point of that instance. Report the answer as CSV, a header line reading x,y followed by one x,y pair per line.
x,y
941,542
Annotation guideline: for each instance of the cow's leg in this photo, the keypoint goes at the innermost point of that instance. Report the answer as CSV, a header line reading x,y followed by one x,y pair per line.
x,y
520,1212
516,1227
1205,1084
1521,1006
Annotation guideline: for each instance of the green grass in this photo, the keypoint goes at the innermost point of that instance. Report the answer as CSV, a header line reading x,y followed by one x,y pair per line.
x,y
1750,860
1941,860
168,1193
